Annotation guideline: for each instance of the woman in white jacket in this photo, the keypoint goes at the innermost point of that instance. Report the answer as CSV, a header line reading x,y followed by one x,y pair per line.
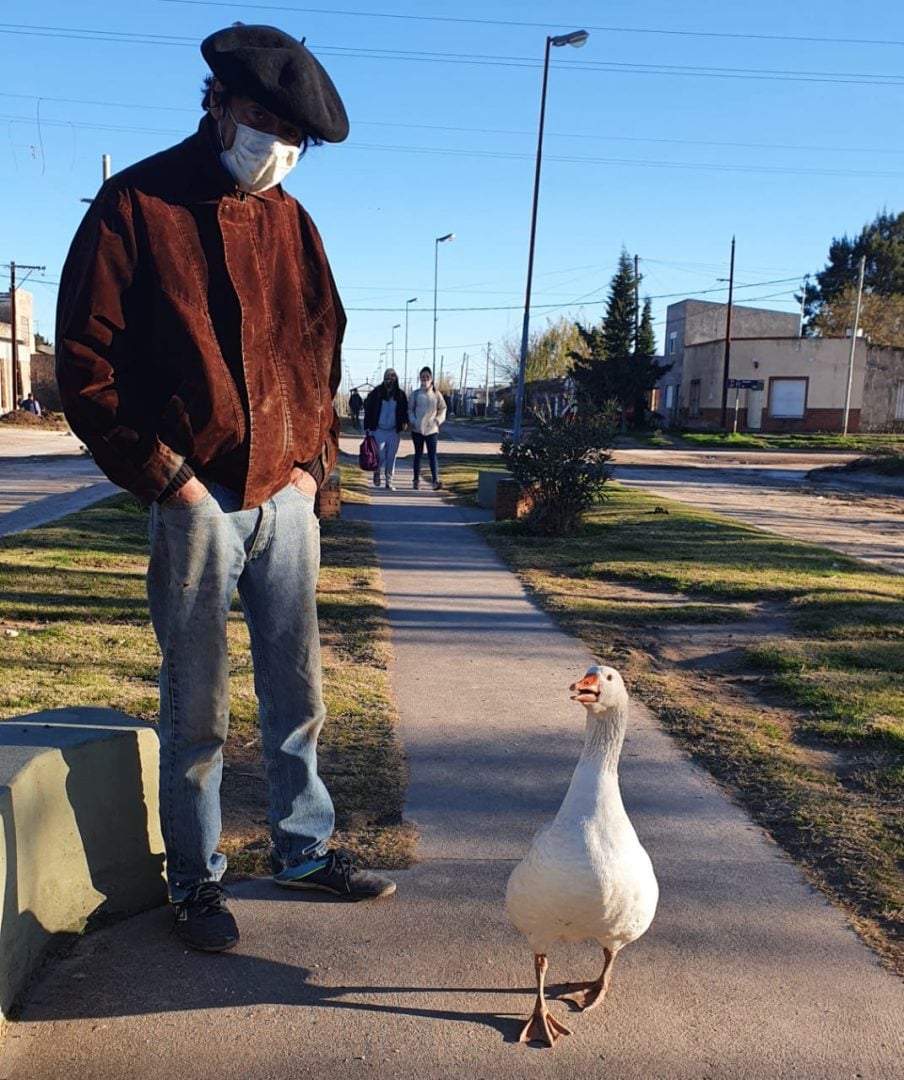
x,y
426,411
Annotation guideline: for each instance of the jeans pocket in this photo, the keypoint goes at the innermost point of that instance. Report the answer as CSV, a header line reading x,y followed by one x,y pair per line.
x,y
183,507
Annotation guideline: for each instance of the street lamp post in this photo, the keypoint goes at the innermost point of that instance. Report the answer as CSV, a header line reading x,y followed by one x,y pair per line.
x,y
439,240
396,327
413,300
577,38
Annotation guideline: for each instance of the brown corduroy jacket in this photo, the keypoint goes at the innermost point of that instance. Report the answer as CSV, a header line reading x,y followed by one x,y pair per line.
x,y
199,328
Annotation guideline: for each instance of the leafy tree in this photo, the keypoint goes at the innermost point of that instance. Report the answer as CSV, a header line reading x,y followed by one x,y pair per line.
x,y
41,340
548,352
882,317
564,463
615,364
827,305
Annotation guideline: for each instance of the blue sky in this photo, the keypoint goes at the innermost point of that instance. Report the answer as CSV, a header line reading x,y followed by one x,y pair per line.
x,y
674,127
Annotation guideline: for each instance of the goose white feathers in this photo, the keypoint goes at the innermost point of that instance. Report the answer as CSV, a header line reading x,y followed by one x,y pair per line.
x,y
586,875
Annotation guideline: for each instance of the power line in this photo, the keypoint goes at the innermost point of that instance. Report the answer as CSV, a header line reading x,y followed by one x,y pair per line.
x,y
542,26
514,155
806,148
758,74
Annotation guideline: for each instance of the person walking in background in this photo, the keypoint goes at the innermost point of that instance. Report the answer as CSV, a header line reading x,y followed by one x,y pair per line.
x,y
31,404
355,401
386,417
426,411
199,335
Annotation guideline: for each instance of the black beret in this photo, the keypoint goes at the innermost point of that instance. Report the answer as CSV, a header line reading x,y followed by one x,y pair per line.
x,y
278,72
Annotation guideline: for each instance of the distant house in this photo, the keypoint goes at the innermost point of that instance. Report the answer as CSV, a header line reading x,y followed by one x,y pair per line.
x,y
804,385
691,322
43,378
26,339
804,380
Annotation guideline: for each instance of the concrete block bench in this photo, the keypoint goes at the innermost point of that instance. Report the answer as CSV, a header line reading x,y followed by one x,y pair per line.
x,y
79,831
487,482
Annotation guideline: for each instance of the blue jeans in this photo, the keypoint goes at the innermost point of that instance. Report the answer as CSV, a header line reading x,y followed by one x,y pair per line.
x,y
430,440
200,554
388,445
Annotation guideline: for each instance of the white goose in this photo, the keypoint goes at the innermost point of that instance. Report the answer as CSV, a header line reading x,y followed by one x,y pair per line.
x,y
586,874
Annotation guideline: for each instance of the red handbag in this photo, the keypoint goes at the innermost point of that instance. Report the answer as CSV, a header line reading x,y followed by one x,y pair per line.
x,y
369,454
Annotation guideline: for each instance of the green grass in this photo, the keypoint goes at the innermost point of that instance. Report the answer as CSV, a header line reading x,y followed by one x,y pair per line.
x,y
805,724
712,440
74,593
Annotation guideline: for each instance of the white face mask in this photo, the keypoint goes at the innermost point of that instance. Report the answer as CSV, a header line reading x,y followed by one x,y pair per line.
x,y
258,161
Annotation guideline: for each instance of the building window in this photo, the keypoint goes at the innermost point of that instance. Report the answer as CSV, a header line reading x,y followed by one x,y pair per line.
x,y
694,401
899,402
670,395
673,342
787,399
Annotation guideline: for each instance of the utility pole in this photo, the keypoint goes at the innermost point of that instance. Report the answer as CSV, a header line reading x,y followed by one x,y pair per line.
x,y
636,301
105,173
486,384
17,372
850,379
724,421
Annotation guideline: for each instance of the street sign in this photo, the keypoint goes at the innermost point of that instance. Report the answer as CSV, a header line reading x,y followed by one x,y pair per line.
x,y
746,384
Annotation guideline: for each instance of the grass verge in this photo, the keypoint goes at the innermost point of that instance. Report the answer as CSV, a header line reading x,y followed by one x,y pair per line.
x,y
713,440
777,664
74,630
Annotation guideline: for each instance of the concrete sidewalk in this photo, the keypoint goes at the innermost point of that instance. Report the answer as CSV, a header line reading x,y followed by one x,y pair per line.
x,y
746,972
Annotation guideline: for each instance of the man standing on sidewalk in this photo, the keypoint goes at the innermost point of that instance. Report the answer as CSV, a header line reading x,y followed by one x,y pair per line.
x,y
198,344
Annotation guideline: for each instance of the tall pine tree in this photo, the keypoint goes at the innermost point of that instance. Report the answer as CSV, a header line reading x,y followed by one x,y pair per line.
x,y
618,365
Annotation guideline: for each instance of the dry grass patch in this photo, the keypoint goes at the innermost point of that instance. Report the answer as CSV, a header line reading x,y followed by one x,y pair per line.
x,y
73,593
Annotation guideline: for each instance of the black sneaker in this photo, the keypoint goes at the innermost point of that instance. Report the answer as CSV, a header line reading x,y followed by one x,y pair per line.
x,y
336,873
203,921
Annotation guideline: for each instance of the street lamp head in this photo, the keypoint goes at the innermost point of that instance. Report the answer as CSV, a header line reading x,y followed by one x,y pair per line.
x,y
397,326
448,236
577,38
413,300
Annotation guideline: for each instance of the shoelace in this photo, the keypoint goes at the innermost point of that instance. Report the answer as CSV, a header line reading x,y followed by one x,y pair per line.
x,y
342,860
209,898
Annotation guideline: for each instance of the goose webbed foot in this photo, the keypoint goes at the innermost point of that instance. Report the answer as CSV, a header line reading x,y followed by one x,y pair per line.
x,y
583,995
586,996
542,1026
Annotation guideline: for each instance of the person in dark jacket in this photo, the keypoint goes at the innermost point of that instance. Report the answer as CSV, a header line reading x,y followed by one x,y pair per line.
x,y
355,402
386,417
198,353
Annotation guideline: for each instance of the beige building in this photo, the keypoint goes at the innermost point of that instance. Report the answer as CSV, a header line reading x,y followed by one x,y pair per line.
x,y
26,339
804,385
693,322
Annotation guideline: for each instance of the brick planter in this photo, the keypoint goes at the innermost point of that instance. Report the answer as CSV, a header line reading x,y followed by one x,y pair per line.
x,y
511,501
328,503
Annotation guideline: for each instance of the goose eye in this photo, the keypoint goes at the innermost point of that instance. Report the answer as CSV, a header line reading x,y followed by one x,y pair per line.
x,y
608,678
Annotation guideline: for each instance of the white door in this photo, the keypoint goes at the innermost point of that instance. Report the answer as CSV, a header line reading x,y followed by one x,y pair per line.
x,y
754,409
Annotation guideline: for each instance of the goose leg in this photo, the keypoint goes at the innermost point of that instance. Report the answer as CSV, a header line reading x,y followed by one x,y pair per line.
x,y
587,995
542,1026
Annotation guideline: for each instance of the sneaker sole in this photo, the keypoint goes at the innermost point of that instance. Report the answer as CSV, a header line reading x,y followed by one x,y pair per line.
x,y
388,891
209,948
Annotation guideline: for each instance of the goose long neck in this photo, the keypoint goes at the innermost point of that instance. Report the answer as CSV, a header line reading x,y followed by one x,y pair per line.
x,y
604,736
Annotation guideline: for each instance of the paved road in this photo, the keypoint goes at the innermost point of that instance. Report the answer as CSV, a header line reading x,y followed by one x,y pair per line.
x,y
44,475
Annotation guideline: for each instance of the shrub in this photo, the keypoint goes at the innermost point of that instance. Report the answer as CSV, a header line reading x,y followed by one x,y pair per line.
x,y
564,464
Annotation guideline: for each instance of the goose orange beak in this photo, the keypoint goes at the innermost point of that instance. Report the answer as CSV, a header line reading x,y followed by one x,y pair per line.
x,y
587,690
